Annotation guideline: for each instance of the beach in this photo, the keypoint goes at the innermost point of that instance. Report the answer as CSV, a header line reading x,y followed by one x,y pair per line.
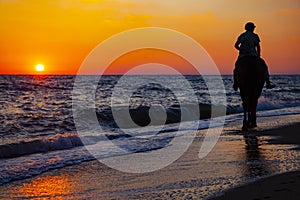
x,y
281,186
257,164
130,99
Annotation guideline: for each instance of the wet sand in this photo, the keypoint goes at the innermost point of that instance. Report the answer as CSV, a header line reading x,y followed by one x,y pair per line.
x,y
238,158
281,186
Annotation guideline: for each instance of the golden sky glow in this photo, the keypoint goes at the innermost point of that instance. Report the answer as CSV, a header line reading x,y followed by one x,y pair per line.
x,y
60,34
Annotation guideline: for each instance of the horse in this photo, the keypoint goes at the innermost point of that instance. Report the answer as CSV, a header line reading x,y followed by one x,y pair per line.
x,y
250,80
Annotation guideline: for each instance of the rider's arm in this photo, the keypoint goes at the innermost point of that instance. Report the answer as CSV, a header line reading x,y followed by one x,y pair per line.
x,y
258,49
237,45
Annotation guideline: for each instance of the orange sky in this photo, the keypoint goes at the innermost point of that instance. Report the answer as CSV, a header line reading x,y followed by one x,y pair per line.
x,y
135,58
60,34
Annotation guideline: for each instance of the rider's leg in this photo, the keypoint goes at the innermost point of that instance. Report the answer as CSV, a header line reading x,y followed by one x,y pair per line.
x,y
269,85
235,86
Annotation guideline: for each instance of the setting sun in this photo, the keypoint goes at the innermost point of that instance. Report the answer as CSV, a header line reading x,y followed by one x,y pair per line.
x,y
39,68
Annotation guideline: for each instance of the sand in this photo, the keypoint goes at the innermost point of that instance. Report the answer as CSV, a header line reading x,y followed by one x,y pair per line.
x,y
226,167
281,186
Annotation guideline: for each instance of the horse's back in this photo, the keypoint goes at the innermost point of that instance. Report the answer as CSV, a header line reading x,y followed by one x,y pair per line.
x,y
251,75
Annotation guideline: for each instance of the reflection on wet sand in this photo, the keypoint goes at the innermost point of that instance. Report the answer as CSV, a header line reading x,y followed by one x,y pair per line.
x,y
57,187
255,161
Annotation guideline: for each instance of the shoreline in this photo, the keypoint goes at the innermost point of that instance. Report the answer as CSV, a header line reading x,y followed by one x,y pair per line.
x,y
181,179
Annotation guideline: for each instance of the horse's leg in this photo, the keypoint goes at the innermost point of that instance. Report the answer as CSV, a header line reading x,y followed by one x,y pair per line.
x,y
245,121
249,119
252,116
253,113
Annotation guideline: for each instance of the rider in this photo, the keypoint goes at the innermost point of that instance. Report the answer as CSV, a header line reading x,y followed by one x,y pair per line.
x,y
248,45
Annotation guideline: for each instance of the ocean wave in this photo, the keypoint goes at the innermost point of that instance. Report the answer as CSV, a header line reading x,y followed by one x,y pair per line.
x,y
267,104
31,165
43,145
141,115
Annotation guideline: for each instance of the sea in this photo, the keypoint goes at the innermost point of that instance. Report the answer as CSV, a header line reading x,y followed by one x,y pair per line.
x,y
38,132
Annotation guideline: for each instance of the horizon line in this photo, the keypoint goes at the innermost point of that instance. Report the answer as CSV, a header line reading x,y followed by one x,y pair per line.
x,y
62,74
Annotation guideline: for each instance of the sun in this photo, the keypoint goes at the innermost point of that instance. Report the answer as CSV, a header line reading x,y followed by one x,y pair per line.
x,y
39,68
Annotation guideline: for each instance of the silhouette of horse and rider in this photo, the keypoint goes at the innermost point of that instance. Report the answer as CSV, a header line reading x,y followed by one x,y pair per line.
x,y
250,73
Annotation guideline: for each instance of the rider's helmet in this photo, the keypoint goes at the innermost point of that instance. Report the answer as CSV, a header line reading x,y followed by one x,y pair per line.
x,y
250,26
